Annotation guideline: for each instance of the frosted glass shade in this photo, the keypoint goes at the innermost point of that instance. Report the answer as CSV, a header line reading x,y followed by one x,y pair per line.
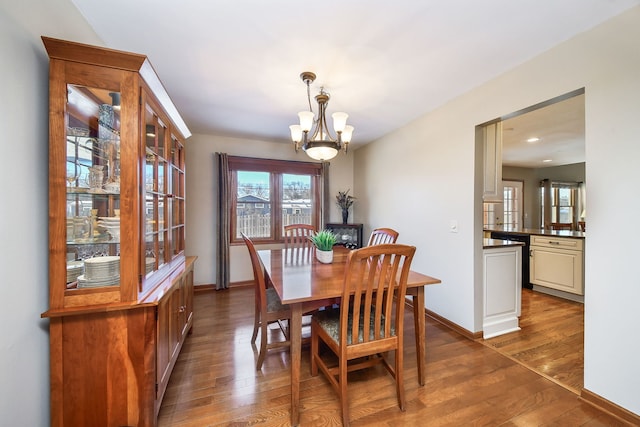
x,y
296,133
321,153
347,133
339,121
306,120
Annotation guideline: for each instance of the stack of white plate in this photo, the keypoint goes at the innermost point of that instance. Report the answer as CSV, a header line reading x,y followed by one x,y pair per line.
x,y
112,225
74,270
100,271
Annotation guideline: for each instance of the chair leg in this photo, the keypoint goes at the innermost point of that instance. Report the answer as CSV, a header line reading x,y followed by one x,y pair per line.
x,y
256,325
344,402
263,344
314,351
399,380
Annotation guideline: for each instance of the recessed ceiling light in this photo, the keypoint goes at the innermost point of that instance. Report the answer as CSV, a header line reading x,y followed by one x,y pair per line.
x,y
547,161
534,139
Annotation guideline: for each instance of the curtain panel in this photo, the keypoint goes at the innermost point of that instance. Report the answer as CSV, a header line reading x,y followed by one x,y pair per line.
x,y
223,226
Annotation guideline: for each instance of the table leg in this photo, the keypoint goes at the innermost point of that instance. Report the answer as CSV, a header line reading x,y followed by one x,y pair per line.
x,y
295,332
419,324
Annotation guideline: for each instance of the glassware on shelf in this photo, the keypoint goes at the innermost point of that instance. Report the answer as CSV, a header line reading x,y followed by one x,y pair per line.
x,y
96,178
71,179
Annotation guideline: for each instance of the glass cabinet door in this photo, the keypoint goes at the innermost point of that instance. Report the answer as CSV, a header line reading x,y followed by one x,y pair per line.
x,y
92,187
177,200
155,188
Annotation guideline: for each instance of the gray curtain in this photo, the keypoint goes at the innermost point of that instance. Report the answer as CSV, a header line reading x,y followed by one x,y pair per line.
x,y
222,257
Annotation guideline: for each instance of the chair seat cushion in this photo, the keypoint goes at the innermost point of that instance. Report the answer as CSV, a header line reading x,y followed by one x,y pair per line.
x,y
273,301
329,320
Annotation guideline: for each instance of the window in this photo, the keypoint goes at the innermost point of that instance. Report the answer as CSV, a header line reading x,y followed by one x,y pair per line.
x,y
269,194
559,205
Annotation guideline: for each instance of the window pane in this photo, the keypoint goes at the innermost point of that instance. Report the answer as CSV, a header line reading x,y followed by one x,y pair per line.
x,y
253,208
297,203
489,217
566,214
512,204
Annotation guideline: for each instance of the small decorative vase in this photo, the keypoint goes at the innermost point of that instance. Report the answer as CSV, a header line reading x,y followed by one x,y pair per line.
x,y
345,216
325,257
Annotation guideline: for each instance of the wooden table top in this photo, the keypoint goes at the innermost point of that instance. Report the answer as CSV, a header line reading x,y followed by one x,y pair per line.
x,y
304,278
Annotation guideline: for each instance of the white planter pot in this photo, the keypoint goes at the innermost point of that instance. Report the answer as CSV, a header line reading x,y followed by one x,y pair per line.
x,y
325,257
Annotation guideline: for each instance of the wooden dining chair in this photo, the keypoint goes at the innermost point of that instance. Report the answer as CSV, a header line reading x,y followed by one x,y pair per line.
x,y
561,226
361,332
297,235
297,240
381,236
268,308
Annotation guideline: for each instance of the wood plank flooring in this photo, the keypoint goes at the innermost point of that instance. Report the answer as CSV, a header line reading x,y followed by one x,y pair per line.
x,y
551,339
215,383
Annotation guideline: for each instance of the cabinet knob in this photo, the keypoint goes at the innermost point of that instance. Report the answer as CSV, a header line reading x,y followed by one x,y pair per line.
x,y
182,309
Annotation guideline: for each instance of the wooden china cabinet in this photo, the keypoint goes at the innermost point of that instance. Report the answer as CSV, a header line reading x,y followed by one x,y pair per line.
x,y
120,286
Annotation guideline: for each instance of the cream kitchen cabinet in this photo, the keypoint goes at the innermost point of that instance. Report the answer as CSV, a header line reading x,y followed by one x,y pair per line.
x,y
502,287
492,163
557,263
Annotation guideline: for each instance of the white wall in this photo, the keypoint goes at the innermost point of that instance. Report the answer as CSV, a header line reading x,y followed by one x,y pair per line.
x,y
24,356
438,181
202,184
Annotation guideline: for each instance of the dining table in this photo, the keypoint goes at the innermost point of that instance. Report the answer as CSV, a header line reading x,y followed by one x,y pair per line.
x,y
306,284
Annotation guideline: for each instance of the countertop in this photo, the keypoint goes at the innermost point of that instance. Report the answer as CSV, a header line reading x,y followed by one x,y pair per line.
x,y
497,243
536,231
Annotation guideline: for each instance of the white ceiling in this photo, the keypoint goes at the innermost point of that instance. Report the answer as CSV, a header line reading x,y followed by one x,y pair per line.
x,y
232,67
559,128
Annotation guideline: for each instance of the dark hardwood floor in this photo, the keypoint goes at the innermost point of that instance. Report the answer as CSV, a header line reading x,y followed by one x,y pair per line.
x,y
215,383
551,339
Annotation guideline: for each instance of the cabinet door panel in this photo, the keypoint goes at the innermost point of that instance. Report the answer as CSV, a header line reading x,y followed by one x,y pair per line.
x,y
557,269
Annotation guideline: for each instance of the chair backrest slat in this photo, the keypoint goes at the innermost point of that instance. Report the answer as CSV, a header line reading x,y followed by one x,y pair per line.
x,y
380,236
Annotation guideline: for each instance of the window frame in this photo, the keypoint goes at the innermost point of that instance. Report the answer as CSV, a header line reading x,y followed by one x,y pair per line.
x,y
275,168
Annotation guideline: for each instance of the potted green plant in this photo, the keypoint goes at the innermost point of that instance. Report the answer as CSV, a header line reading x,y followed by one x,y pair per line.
x,y
324,241
344,202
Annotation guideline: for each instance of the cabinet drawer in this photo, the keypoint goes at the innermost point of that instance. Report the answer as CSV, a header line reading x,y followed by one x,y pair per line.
x,y
557,242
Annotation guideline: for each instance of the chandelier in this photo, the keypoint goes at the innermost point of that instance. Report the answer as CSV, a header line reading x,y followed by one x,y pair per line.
x,y
320,144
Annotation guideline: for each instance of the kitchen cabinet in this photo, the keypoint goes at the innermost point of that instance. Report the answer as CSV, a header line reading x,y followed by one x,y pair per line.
x,y
120,285
502,287
492,162
557,263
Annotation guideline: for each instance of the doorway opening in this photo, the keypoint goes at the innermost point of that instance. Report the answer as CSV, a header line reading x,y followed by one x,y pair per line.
x,y
544,141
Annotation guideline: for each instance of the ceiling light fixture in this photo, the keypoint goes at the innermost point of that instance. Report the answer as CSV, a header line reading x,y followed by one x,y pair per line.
x,y
532,140
321,145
